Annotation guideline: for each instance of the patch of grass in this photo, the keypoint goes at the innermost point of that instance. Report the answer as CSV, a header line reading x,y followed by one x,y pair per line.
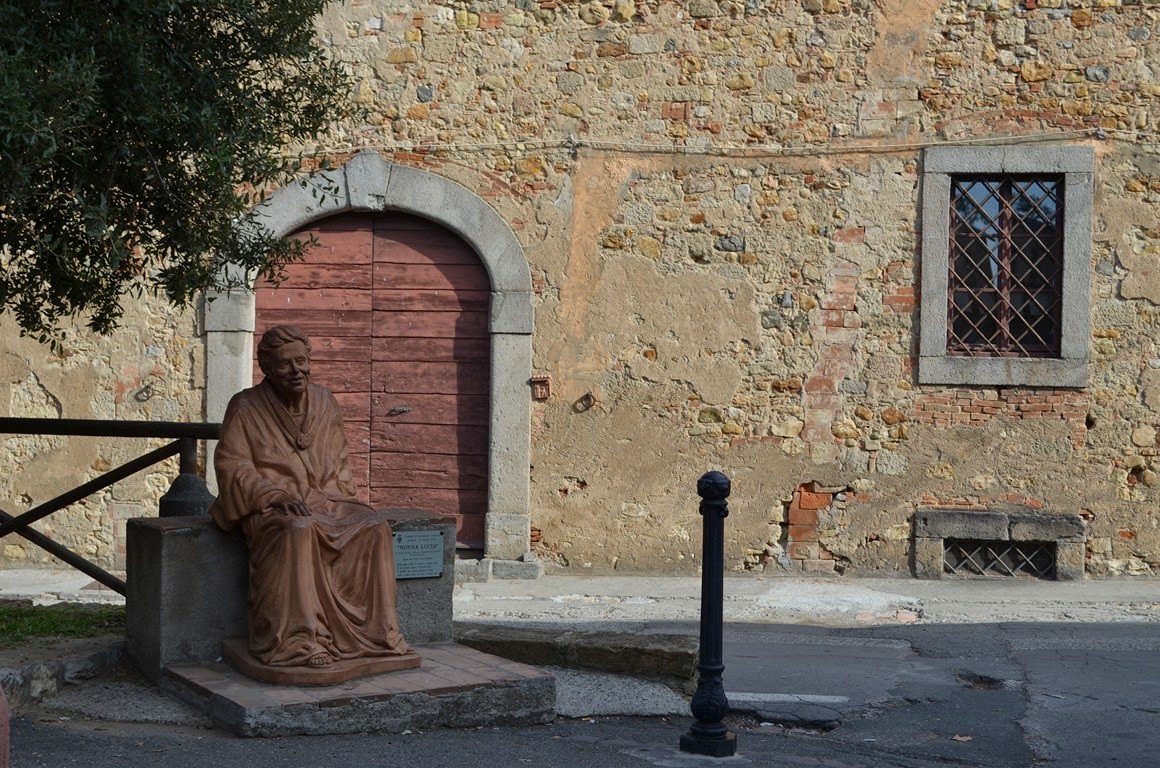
x,y
22,621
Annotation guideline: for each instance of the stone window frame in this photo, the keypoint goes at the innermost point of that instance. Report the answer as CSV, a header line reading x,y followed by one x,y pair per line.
x,y
1076,164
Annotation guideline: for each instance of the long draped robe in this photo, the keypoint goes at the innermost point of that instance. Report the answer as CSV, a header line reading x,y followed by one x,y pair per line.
x,y
321,583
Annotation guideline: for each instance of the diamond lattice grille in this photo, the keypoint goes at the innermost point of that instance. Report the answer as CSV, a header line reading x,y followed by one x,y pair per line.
x,y
999,558
1006,267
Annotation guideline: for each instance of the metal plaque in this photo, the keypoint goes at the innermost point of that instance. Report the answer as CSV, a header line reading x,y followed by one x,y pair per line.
x,y
418,554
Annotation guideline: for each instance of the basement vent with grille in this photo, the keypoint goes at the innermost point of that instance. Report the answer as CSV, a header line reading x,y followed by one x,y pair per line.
x,y
969,542
999,558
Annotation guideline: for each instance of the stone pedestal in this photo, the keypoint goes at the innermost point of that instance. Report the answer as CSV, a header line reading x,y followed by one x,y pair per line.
x,y
456,687
185,591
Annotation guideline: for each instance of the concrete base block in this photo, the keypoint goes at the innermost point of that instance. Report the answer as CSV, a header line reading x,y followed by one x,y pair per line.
x,y
424,605
185,591
476,571
456,687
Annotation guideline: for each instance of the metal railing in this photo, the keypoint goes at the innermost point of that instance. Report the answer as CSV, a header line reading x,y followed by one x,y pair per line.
x,y
187,495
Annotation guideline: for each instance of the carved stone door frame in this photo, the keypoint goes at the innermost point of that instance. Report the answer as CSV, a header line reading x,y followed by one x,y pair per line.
x,y
369,182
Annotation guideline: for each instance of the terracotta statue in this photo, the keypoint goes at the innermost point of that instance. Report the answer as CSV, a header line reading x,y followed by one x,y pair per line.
x,y
322,573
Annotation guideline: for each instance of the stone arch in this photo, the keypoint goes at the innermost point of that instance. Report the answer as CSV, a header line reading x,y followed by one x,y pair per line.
x,y
368,182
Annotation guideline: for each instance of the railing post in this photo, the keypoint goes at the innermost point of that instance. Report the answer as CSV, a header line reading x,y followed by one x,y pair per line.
x,y
708,735
188,494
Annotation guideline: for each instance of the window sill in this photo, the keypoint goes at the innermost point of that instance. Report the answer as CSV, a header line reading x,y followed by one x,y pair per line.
x,y
1003,371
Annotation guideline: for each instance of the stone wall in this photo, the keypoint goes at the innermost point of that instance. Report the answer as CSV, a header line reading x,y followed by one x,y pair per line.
x,y
720,205
151,369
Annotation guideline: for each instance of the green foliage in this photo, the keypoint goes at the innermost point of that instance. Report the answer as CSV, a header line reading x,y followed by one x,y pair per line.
x,y
21,621
135,134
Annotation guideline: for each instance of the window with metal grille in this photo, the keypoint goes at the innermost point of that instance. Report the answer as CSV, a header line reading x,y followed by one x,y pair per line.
x,y
1006,266
966,557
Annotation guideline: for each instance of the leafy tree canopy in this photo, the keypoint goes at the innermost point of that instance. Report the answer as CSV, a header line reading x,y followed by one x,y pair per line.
x,y
135,134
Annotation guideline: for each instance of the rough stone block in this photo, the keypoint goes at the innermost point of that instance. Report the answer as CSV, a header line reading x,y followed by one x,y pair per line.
x,y
486,569
1046,527
516,569
507,534
1069,560
472,571
928,558
960,524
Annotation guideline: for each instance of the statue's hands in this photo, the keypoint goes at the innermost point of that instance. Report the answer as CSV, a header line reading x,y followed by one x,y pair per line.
x,y
288,507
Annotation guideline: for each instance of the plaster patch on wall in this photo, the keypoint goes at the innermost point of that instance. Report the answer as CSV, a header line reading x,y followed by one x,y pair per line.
x,y
900,41
1140,255
686,323
30,399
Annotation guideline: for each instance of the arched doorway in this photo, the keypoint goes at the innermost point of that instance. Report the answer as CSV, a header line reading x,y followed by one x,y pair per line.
x,y
369,183
396,308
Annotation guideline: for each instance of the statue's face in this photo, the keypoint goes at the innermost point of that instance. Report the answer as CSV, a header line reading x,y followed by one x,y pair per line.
x,y
290,370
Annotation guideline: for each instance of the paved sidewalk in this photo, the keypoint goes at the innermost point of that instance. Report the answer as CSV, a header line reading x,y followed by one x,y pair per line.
x,y
832,601
44,586
827,601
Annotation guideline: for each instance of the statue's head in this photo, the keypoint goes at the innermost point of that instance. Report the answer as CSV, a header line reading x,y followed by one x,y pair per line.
x,y
284,357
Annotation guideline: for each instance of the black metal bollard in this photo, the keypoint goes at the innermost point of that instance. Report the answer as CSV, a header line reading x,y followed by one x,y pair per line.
x,y
708,735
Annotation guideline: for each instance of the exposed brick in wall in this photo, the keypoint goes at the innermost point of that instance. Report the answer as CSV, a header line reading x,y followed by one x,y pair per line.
x,y
978,406
810,506
981,502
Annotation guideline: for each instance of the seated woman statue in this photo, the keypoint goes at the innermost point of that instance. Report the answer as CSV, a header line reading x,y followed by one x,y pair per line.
x,y
322,572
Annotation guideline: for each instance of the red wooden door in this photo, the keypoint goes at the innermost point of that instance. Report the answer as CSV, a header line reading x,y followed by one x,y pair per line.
x,y
397,312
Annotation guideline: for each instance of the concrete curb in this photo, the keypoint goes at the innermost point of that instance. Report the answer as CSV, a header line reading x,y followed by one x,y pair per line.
x,y
29,683
665,657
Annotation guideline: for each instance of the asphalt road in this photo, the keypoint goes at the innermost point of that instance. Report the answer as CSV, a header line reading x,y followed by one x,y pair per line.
x,y
981,695
1010,694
